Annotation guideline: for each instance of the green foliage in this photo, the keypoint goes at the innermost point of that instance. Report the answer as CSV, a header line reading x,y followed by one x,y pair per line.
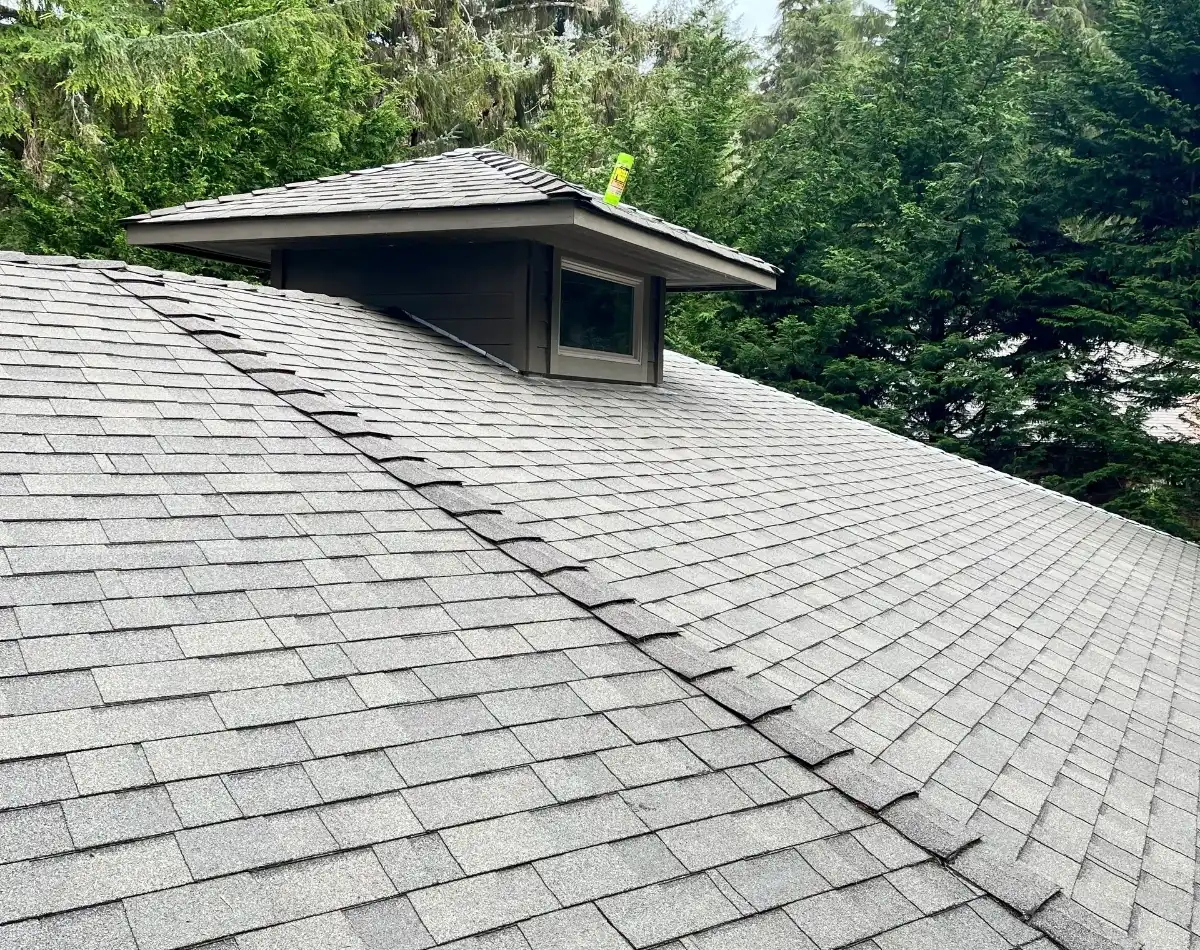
x,y
811,37
988,234
683,119
986,210
689,137
113,109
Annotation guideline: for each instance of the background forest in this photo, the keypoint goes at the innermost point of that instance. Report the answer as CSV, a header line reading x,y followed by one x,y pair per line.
x,y
988,211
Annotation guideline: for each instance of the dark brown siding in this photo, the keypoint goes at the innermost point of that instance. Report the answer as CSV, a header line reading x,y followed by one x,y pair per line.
x,y
478,292
541,288
656,324
498,296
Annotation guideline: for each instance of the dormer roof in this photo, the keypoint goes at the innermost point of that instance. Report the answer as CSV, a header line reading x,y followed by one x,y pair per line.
x,y
466,193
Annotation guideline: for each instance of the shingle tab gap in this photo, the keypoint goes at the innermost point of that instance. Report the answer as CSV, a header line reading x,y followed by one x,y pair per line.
x,y
1061,918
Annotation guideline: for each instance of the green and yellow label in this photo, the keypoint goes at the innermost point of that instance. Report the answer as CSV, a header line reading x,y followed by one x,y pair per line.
x,y
620,175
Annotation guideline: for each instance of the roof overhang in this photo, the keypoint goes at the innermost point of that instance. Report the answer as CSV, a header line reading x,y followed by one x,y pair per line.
x,y
562,223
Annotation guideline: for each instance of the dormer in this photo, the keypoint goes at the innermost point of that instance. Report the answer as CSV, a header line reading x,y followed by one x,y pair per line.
x,y
538,273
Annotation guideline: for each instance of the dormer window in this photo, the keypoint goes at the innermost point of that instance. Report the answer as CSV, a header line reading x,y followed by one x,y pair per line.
x,y
536,273
598,323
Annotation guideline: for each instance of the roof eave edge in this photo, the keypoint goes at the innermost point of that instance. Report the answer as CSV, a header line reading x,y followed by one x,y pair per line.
x,y
544,213
551,212
737,275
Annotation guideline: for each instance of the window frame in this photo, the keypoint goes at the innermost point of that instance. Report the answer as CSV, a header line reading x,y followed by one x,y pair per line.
x,y
598,364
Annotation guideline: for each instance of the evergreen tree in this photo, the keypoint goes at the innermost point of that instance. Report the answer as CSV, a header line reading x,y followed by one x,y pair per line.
x,y
925,204
109,108
811,37
986,209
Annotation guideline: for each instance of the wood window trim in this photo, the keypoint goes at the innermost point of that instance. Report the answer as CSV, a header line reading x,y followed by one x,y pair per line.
x,y
596,364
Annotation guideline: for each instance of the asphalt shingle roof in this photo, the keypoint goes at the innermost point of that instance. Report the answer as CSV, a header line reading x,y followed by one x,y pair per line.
x,y
462,178
296,650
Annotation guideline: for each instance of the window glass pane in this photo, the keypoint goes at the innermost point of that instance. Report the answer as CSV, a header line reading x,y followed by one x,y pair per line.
x,y
596,314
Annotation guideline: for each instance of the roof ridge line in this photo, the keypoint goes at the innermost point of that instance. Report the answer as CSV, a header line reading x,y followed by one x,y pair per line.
x,y
561,188
1037,901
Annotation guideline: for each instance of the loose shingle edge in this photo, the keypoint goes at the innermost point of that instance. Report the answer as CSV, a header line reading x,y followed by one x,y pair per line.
x,y
1063,920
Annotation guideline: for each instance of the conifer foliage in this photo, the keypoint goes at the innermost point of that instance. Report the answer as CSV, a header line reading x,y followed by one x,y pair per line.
x,y
987,211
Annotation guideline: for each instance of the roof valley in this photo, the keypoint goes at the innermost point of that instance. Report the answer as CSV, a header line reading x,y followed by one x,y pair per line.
x,y
1023,890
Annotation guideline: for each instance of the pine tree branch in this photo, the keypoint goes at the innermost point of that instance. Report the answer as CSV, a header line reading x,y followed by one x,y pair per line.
x,y
230,31
535,5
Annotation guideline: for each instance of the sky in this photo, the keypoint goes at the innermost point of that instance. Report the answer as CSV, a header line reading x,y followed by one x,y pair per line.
x,y
756,16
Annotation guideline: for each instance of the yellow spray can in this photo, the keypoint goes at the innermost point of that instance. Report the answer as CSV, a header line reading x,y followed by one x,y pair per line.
x,y
620,175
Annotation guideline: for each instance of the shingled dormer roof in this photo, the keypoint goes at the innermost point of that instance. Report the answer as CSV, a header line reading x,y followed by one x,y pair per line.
x,y
320,630
472,189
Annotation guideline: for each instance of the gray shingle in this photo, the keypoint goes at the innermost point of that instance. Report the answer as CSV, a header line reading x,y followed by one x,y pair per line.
x,y
97,928
683,657
54,691
65,882
458,801
286,703
225,752
327,932
536,704
322,884
929,827
751,700
32,781
958,927
120,816
195,913
413,863
527,836
500,673
1016,884
353,732
802,738
216,850
470,906
659,912
725,838
569,737
651,762
731,747
842,917
369,820
582,776
916,603
773,931
774,879
841,860
202,801
111,769
349,776
33,833
577,928
889,846
459,178
605,869
1072,925
1008,925
664,721
931,887
456,756
271,790
687,799
387,924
